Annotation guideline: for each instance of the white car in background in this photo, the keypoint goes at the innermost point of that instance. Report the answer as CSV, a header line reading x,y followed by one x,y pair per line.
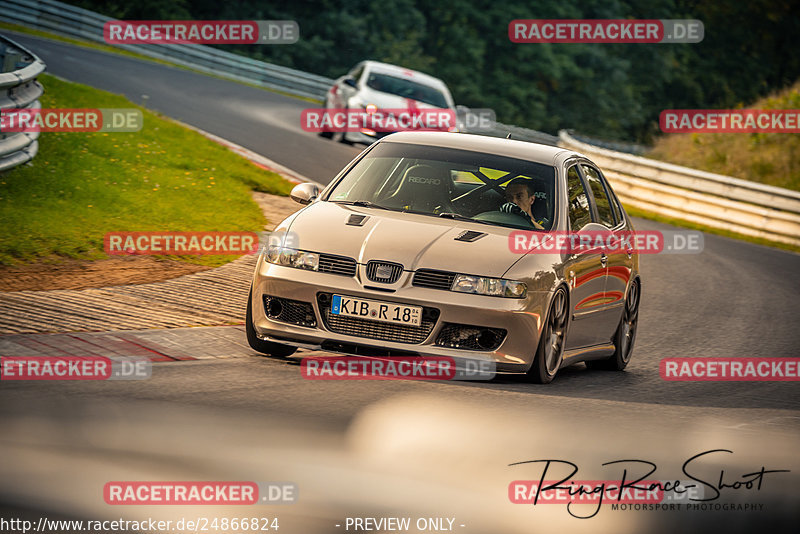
x,y
375,85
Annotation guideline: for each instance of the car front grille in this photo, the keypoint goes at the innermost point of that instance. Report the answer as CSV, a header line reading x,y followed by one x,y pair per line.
x,y
290,311
383,271
365,328
433,279
468,337
328,263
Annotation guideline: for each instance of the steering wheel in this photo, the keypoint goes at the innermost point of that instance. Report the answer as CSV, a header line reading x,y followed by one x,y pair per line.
x,y
500,217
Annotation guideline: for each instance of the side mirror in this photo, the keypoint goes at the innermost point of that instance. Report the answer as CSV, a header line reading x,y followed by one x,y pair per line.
x,y
305,193
594,228
351,82
599,237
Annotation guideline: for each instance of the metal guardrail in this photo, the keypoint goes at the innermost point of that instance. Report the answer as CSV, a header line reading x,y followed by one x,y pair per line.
x,y
617,146
701,197
65,19
18,90
710,199
521,134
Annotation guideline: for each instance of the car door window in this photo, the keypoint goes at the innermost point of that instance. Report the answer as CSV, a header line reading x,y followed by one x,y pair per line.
x,y
580,213
605,214
614,203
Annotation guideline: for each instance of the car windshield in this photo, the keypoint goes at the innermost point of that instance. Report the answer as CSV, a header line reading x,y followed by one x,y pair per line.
x,y
407,89
447,182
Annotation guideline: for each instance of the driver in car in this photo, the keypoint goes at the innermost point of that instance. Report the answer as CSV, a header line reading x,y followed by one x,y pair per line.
x,y
521,196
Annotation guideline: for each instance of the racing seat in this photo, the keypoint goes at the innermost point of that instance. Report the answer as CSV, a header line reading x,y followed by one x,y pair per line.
x,y
542,205
424,188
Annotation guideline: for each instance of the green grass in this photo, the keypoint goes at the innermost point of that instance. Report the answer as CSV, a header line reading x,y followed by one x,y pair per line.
x,y
114,50
83,185
767,158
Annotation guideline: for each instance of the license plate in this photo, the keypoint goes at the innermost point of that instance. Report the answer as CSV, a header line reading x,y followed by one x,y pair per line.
x,y
386,312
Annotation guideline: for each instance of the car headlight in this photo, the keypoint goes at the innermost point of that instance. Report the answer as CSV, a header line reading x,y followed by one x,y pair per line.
x,y
494,287
292,258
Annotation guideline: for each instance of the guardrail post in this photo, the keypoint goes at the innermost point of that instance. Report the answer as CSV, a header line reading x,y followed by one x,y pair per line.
x,y
18,90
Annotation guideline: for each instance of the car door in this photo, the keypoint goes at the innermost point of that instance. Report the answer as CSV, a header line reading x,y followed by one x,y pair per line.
x,y
585,271
619,259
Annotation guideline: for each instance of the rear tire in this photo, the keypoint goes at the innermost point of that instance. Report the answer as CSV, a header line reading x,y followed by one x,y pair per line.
x,y
550,352
625,334
262,345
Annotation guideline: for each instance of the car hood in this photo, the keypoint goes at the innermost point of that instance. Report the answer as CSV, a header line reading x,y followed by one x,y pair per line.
x,y
415,241
389,101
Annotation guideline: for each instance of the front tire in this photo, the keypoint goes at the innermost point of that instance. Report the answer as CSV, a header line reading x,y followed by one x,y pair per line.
x,y
325,134
625,334
342,136
550,352
262,345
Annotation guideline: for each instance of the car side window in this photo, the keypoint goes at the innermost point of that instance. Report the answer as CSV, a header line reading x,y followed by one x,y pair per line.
x,y
605,214
580,213
614,203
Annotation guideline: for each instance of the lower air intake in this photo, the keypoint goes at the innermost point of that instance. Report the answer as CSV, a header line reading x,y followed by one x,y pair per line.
x,y
290,311
468,337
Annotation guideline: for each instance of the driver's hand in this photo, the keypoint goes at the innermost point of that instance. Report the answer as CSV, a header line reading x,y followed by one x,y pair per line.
x,y
510,207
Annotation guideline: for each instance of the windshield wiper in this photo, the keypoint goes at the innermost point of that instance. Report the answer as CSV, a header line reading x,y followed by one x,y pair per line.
x,y
366,204
451,215
456,216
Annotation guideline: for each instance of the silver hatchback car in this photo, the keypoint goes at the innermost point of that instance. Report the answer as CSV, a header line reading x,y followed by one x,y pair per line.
x,y
372,84
410,250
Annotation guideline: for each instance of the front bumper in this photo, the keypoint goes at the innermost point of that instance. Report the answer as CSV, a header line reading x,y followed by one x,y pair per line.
x,y
520,318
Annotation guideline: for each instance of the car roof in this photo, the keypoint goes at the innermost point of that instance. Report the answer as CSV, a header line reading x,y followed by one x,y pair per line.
x,y
512,148
395,70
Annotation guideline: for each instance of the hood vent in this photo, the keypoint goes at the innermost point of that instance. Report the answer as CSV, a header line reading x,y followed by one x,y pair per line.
x,y
469,236
357,220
